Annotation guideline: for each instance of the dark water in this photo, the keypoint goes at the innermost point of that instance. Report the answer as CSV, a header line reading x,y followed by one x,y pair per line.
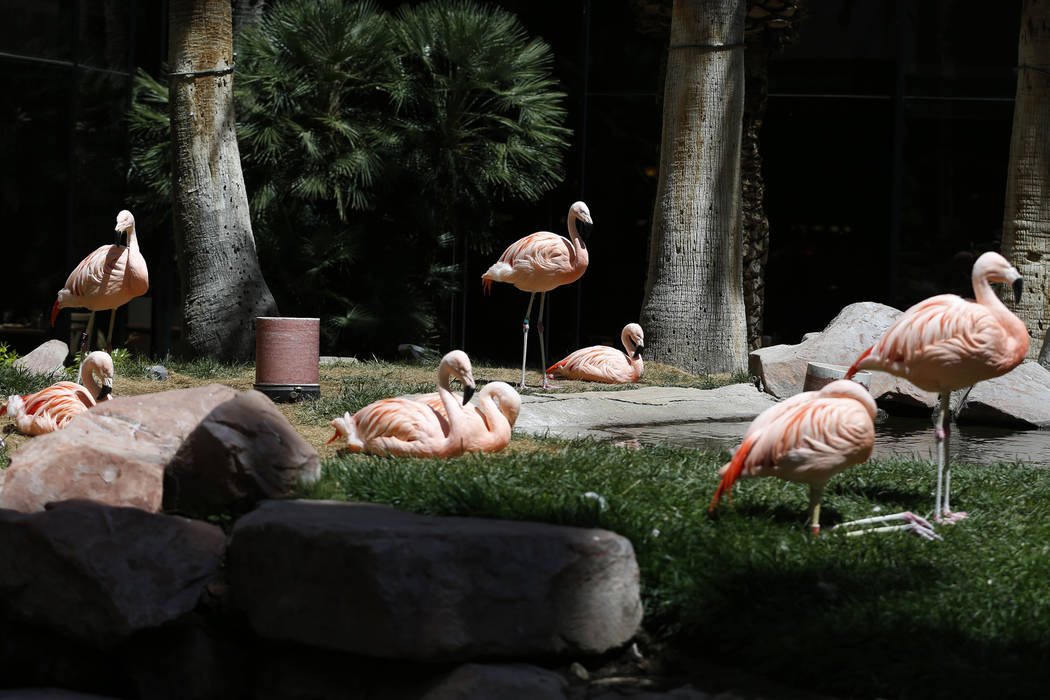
x,y
894,437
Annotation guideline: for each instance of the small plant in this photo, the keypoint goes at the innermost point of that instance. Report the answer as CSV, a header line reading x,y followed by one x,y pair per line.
x,y
7,355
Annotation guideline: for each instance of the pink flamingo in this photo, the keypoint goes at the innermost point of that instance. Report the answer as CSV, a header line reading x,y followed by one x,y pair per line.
x,y
601,363
540,262
488,426
53,407
946,343
807,438
410,428
106,279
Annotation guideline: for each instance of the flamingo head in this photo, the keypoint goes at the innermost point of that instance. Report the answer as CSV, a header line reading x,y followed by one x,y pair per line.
x,y
580,211
341,426
98,367
633,338
995,268
509,400
125,223
456,363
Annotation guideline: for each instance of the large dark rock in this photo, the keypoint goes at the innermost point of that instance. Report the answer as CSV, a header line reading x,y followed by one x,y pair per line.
x,y
99,573
220,449
1020,399
385,583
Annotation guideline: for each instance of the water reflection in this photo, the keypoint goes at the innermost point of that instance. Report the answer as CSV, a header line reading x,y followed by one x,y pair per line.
x,y
894,437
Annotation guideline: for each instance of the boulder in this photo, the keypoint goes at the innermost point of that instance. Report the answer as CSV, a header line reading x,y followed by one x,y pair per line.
x,y
1019,399
217,446
47,358
242,451
506,682
376,581
782,368
99,573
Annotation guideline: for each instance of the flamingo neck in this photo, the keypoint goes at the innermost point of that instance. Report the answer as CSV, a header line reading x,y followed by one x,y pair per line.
x,y
499,428
577,240
87,380
133,241
1016,330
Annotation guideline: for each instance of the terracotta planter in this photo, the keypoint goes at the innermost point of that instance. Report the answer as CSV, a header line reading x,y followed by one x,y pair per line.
x,y
286,357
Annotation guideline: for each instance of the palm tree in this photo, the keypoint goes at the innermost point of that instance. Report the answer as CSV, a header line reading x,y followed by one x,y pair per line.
x,y
693,294
482,119
223,288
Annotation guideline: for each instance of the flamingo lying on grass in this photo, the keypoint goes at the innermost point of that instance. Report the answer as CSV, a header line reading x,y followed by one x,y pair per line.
x,y
488,425
106,279
409,428
810,438
540,262
601,363
946,343
52,408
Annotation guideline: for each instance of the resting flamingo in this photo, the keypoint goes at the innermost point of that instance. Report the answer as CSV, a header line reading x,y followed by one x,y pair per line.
x,y
106,279
410,428
540,262
52,408
601,363
946,343
488,426
808,438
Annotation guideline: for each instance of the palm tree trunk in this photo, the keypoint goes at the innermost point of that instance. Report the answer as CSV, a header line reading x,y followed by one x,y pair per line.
x,y
1026,220
223,288
693,307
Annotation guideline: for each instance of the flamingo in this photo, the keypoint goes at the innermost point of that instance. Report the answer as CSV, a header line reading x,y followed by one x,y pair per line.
x,y
540,262
488,427
601,363
406,427
807,438
51,408
106,279
946,343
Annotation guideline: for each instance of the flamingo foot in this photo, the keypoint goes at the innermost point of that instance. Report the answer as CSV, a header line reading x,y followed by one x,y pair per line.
x,y
915,524
548,386
950,517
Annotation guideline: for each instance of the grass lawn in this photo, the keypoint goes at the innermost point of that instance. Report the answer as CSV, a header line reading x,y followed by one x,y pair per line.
x,y
745,590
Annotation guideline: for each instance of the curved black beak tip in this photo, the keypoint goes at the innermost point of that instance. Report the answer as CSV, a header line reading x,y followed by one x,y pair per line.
x,y
103,392
1018,288
468,391
638,351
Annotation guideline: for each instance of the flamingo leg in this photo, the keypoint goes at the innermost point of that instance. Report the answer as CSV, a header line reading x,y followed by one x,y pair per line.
x,y
942,510
109,336
525,338
815,493
543,349
85,344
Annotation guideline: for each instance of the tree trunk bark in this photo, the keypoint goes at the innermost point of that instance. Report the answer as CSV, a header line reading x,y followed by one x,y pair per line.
x,y
223,288
755,224
1026,220
693,309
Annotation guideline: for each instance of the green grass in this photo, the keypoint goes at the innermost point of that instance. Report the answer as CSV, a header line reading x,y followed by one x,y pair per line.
x,y
881,615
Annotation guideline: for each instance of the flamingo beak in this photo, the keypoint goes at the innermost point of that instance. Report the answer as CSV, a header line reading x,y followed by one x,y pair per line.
x,y
1018,288
334,437
468,391
105,391
638,351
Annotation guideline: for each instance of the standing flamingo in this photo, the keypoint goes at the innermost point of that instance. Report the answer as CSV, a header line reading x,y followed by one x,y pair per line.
x,y
540,262
488,427
406,427
946,343
600,363
807,438
51,408
106,279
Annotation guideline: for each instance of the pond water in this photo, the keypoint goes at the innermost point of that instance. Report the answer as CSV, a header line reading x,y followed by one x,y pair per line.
x,y
894,437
